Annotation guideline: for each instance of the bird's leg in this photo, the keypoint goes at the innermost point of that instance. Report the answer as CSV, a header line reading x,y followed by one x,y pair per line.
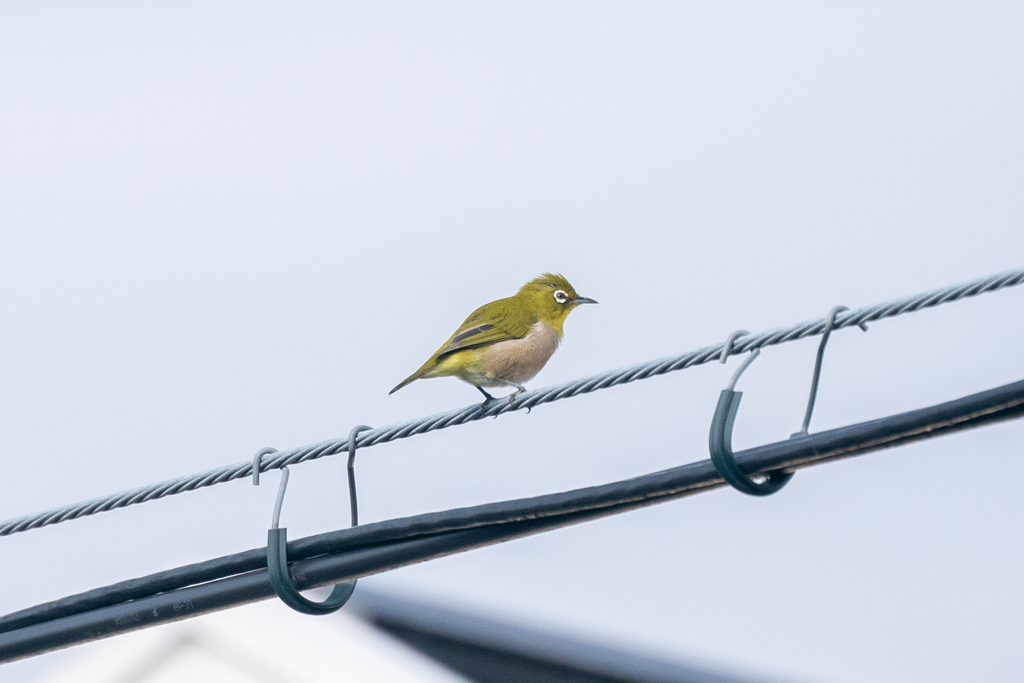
x,y
512,397
487,397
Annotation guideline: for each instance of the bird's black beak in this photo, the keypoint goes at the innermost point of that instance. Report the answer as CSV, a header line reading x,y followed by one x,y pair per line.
x,y
582,300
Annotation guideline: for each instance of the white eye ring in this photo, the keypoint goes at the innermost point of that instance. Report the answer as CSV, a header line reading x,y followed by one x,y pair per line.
x,y
561,297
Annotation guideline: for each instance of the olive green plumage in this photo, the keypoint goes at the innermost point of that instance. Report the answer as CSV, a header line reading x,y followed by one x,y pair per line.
x,y
508,341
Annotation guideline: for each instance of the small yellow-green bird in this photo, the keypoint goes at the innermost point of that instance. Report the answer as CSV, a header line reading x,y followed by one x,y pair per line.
x,y
506,342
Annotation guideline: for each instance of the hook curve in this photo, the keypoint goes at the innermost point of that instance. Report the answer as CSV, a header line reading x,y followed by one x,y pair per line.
x,y
720,438
277,558
729,341
257,461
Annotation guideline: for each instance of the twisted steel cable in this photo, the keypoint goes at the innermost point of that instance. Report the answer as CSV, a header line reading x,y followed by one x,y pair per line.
x,y
526,400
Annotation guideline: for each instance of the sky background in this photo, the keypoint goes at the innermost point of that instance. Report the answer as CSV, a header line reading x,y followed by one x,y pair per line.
x,y
225,226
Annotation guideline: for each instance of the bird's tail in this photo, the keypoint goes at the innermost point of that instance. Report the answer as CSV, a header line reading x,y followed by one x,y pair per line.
x,y
419,374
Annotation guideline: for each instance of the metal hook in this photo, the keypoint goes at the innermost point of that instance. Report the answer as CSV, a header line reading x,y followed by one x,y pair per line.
x,y
352,472
277,557
720,438
830,323
727,349
743,366
257,462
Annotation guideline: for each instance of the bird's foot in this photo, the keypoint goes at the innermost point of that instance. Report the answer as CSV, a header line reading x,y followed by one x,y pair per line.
x,y
512,397
487,399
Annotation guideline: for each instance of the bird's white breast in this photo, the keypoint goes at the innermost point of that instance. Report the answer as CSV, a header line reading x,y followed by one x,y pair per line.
x,y
519,360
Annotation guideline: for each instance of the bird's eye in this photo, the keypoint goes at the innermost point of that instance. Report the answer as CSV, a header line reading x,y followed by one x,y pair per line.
x,y
561,297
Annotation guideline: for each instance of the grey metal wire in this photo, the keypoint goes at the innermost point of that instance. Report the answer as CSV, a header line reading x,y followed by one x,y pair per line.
x,y
529,399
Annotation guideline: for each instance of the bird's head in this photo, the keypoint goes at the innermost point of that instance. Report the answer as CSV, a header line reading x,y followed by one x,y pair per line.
x,y
551,297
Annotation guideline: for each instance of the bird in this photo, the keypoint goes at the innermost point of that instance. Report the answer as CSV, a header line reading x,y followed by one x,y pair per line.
x,y
507,342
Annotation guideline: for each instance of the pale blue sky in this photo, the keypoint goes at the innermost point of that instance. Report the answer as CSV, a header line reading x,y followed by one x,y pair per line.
x,y
234,225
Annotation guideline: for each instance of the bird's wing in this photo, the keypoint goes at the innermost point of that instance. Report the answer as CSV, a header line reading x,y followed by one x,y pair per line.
x,y
492,323
488,325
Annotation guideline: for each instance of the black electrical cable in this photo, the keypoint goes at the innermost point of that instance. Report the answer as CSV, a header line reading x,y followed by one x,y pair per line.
x,y
361,551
